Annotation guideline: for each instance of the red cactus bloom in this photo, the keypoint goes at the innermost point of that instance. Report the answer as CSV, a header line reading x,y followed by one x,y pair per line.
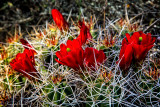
x,y
71,55
26,45
84,35
141,44
126,55
74,56
93,57
59,20
134,47
24,63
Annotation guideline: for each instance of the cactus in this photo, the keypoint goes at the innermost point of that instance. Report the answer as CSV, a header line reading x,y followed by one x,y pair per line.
x,y
60,85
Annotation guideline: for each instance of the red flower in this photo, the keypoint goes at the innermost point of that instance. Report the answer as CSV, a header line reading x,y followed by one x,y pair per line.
x,y
126,55
74,56
59,20
141,44
93,57
71,55
24,63
135,47
26,45
84,35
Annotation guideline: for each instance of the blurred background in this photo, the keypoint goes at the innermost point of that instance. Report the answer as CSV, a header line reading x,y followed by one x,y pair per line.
x,y
26,14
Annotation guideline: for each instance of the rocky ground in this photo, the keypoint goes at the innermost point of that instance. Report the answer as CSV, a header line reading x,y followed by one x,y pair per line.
x,y
28,13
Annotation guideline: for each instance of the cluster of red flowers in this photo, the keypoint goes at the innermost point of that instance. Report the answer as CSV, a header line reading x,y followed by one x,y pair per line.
x,y
135,48
72,54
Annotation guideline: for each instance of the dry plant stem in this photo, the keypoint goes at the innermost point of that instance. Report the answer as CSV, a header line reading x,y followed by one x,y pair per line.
x,y
152,24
